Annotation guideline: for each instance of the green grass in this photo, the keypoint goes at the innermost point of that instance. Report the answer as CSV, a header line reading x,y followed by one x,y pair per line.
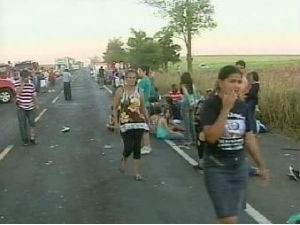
x,y
215,62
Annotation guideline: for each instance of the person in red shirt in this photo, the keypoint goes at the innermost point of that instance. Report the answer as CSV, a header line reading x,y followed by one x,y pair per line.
x,y
175,93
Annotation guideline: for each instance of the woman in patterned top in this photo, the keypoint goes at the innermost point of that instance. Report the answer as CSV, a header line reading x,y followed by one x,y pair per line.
x,y
133,121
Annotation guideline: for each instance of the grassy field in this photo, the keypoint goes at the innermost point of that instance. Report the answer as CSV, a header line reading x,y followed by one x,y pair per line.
x,y
280,85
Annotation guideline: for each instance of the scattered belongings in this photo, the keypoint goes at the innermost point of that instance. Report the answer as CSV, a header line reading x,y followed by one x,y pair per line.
x,y
294,174
65,129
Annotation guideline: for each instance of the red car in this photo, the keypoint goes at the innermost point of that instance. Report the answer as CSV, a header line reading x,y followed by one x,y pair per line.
x,y
7,90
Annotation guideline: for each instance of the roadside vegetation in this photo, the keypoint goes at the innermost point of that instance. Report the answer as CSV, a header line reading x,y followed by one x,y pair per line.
x,y
279,74
279,99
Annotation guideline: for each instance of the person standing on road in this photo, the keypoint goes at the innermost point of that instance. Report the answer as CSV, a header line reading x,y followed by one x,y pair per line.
x,y
101,77
52,78
132,121
145,86
27,103
227,132
67,78
187,105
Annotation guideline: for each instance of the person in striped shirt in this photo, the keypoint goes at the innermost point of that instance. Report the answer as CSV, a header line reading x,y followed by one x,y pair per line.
x,y
27,103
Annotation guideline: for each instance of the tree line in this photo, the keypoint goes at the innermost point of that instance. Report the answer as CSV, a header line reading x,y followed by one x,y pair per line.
x,y
186,19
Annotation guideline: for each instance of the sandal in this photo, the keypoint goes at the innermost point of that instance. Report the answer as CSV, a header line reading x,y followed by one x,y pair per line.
x,y
138,177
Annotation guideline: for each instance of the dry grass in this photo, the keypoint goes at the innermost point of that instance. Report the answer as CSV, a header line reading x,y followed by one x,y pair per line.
x,y
279,96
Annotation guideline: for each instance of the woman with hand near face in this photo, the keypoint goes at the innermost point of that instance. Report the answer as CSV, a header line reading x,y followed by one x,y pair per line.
x,y
228,134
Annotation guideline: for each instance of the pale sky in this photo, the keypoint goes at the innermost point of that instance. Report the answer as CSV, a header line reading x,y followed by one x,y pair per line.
x,y
46,29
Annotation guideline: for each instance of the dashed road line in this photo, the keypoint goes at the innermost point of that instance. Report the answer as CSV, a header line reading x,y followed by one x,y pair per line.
x,y
182,153
55,99
258,217
110,91
5,151
40,115
252,212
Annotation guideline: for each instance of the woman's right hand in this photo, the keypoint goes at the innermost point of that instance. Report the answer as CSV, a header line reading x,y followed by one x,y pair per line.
x,y
228,100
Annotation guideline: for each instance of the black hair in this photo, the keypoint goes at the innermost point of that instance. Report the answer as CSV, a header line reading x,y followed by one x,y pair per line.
x,y
130,71
226,71
145,69
240,63
255,76
187,80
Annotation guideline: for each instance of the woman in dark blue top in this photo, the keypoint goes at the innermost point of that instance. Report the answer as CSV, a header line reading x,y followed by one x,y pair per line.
x,y
226,127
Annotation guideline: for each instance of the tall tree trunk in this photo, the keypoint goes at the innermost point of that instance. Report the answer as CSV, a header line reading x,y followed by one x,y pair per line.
x,y
189,58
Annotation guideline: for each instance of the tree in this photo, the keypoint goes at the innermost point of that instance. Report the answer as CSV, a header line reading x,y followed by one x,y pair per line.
x,y
170,51
114,51
143,50
186,18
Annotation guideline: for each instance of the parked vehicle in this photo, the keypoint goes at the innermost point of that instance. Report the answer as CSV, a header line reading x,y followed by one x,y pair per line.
x,y
29,65
7,90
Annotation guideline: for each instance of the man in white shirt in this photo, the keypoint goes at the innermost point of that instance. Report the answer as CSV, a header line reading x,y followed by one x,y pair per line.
x,y
67,78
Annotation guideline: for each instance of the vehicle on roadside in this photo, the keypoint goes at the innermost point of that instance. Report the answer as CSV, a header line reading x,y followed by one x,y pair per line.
x,y
29,65
7,90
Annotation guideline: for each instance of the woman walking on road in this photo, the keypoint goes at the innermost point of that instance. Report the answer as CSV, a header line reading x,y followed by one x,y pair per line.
x,y
131,122
228,132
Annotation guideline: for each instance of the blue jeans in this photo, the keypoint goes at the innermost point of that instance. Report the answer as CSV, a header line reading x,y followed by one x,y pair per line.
x,y
25,118
188,121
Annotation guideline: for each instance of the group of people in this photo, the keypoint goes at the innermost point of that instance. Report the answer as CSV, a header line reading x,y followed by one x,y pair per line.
x,y
224,133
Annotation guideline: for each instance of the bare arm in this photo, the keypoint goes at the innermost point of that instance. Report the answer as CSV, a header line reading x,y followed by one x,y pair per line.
x,y
144,110
252,147
184,90
253,150
35,100
116,104
214,132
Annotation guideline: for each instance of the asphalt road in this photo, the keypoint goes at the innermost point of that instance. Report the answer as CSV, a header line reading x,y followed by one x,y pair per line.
x,y
71,178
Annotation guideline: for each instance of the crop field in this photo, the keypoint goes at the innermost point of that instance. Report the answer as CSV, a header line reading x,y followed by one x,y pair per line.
x,y
279,99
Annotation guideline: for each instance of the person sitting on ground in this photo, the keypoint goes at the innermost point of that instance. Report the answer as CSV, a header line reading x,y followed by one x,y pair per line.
x,y
174,108
163,131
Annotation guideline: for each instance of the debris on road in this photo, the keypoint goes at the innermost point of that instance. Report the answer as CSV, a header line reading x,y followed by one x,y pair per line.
x,y
65,129
49,163
107,146
53,146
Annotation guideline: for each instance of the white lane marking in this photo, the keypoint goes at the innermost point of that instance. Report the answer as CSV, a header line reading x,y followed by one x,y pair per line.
x,y
182,153
5,151
110,91
257,216
261,219
55,99
40,115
